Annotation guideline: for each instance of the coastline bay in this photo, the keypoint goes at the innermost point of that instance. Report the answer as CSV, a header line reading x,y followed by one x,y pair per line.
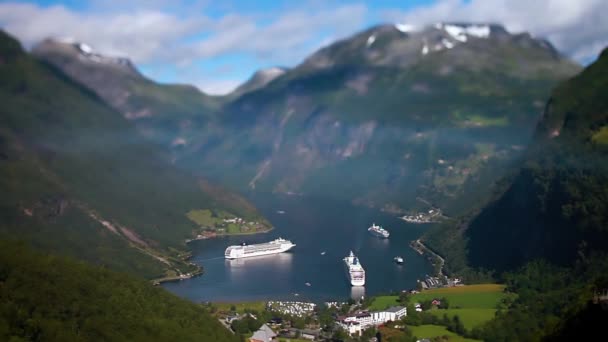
x,y
315,225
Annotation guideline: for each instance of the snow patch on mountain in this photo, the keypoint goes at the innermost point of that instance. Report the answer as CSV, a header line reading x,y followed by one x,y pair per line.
x,y
460,33
447,43
370,40
425,49
272,72
85,48
405,28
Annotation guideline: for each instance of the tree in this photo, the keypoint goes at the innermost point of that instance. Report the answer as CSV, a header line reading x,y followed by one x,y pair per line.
x,y
445,304
340,335
368,333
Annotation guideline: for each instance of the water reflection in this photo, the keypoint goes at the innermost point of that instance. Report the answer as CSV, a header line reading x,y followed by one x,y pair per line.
x,y
277,263
357,292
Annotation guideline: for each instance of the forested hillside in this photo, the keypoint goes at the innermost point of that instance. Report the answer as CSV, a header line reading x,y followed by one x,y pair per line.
x,y
77,178
49,298
555,206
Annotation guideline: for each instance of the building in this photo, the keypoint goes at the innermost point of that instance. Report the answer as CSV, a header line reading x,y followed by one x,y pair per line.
x,y
362,320
351,327
264,334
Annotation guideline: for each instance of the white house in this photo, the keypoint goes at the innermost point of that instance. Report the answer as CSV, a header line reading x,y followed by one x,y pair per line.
x,y
360,321
351,327
264,334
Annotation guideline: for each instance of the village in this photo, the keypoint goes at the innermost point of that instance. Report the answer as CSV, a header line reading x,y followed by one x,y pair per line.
x,y
212,224
432,216
276,321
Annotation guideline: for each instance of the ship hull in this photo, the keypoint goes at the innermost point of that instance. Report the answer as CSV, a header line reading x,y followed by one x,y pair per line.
x,y
353,282
284,248
377,234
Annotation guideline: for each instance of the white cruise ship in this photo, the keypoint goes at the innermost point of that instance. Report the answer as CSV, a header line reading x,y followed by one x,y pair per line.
x,y
245,251
354,270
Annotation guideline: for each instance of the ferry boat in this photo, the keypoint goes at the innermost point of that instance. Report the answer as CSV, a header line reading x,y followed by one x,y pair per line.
x,y
245,251
354,270
378,231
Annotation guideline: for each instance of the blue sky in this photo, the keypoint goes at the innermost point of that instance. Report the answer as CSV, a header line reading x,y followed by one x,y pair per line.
x,y
216,45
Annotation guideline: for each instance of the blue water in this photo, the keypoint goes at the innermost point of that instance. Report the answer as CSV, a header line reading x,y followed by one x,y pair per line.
x,y
314,225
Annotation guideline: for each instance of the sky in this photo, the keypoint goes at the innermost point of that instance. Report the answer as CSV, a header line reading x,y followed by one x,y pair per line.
x,y
217,45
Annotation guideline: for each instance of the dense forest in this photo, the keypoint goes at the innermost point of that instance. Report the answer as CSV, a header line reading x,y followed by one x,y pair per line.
x,y
50,298
555,205
544,232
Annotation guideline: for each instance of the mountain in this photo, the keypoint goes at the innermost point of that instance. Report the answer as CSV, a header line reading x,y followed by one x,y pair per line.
x,y
391,117
77,178
49,298
258,80
166,114
555,206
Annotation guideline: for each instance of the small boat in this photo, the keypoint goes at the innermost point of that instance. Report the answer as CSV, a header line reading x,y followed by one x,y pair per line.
x,y
280,212
296,294
307,284
323,253
398,260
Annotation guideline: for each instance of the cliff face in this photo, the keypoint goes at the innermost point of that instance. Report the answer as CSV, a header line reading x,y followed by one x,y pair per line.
x,y
555,207
389,116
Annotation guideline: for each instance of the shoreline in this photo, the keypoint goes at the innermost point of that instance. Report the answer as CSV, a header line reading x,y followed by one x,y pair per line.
x,y
159,281
422,249
216,235
246,233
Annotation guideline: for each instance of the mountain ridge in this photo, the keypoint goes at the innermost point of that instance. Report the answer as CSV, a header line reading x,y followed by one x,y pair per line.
x,y
336,113
553,206
79,180
383,111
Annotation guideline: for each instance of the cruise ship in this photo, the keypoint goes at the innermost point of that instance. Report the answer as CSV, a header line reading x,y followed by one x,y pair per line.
x,y
378,231
354,270
245,251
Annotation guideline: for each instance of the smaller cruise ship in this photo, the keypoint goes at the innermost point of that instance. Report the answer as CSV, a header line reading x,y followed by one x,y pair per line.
x,y
378,231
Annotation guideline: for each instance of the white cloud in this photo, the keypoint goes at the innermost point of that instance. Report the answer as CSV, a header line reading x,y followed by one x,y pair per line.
x,y
217,87
292,34
175,35
143,36
156,35
578,28
152,35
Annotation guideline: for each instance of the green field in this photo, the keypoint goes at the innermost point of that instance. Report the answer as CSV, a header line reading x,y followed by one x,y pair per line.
x,y
383,302
241,307
474,304
204,218
601,136
483,296
469,317
430,331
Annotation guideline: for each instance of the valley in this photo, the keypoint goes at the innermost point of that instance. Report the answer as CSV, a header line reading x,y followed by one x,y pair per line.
x,y
481,150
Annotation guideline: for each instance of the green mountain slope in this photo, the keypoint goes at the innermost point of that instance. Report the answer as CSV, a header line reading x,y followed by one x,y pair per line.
x,y
385,122
76,177
167,114
555,207
48,298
